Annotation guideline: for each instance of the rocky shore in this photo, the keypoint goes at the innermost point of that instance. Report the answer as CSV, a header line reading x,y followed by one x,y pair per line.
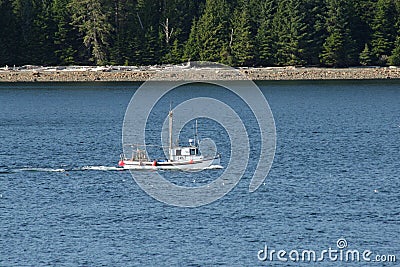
x,y
126,74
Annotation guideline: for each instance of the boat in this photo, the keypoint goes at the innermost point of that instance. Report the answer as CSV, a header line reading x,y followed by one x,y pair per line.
x,y
179,157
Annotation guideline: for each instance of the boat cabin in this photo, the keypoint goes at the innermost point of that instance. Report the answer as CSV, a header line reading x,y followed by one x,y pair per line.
x,y
184,153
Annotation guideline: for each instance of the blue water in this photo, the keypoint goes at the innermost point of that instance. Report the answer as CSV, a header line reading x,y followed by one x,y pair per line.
x,y
336,174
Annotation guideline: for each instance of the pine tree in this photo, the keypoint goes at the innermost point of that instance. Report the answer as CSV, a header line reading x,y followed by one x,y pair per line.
x,y
128,45
361,16
256,10
174,54
212,32
384,34
281,26
241,42
291,31
151,49
176,25
24,14
44,28
334,52
191,52
89,17
366,56
316,30
265,37
265,32
8,38
338,48
65,46
395,57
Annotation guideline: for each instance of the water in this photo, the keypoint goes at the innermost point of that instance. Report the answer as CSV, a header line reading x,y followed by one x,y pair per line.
x,y
63,202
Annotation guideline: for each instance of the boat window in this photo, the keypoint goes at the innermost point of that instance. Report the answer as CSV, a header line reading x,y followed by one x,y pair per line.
x,y
178,152
192,151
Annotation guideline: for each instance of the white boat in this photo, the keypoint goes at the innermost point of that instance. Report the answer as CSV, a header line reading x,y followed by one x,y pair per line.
x,y
179,158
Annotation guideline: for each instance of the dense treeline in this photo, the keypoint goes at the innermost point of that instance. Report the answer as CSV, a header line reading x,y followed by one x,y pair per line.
x,y
239,32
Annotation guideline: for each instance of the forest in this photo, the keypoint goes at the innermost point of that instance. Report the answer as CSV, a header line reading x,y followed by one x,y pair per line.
x,y
331,33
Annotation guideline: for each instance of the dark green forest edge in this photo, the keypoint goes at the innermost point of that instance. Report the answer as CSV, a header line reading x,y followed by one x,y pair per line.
x,y
332,33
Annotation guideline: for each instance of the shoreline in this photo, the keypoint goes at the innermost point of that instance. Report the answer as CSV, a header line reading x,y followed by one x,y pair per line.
x,y
134,74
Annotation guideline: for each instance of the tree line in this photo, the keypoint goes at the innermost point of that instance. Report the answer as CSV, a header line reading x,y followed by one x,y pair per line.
x,y
336,33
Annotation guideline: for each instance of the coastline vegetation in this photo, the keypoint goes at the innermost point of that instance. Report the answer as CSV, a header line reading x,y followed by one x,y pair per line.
x,y
332,33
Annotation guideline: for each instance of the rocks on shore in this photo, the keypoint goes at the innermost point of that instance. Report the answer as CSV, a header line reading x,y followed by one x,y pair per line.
x,y
174,73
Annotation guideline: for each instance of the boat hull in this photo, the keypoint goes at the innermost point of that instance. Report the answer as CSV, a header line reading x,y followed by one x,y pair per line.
x,y
213,163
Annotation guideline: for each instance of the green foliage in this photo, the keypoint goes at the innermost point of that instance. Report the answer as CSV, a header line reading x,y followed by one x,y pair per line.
x,y
291,32
44,29
366,56
150,49
338,48
384,32
65,48
192,49
316,31
24,15
7,34
395,57
212,32
240,33
175,54
241,42
91,20
265,37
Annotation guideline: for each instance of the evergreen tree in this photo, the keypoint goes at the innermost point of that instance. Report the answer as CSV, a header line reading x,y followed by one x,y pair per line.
x,y
176,19
212,32
316,30
395,57
175,54
334,50
8,37
128,45
241,42
151,49
44,29
361,16
384,33
338,48
256,10
89,17
240,32
291,31
265,38
281,26
366,56
24,14
148,13
192,49
66,48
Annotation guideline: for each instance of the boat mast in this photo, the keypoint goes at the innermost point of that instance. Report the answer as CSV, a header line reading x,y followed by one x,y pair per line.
x,y
170,133
195,137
